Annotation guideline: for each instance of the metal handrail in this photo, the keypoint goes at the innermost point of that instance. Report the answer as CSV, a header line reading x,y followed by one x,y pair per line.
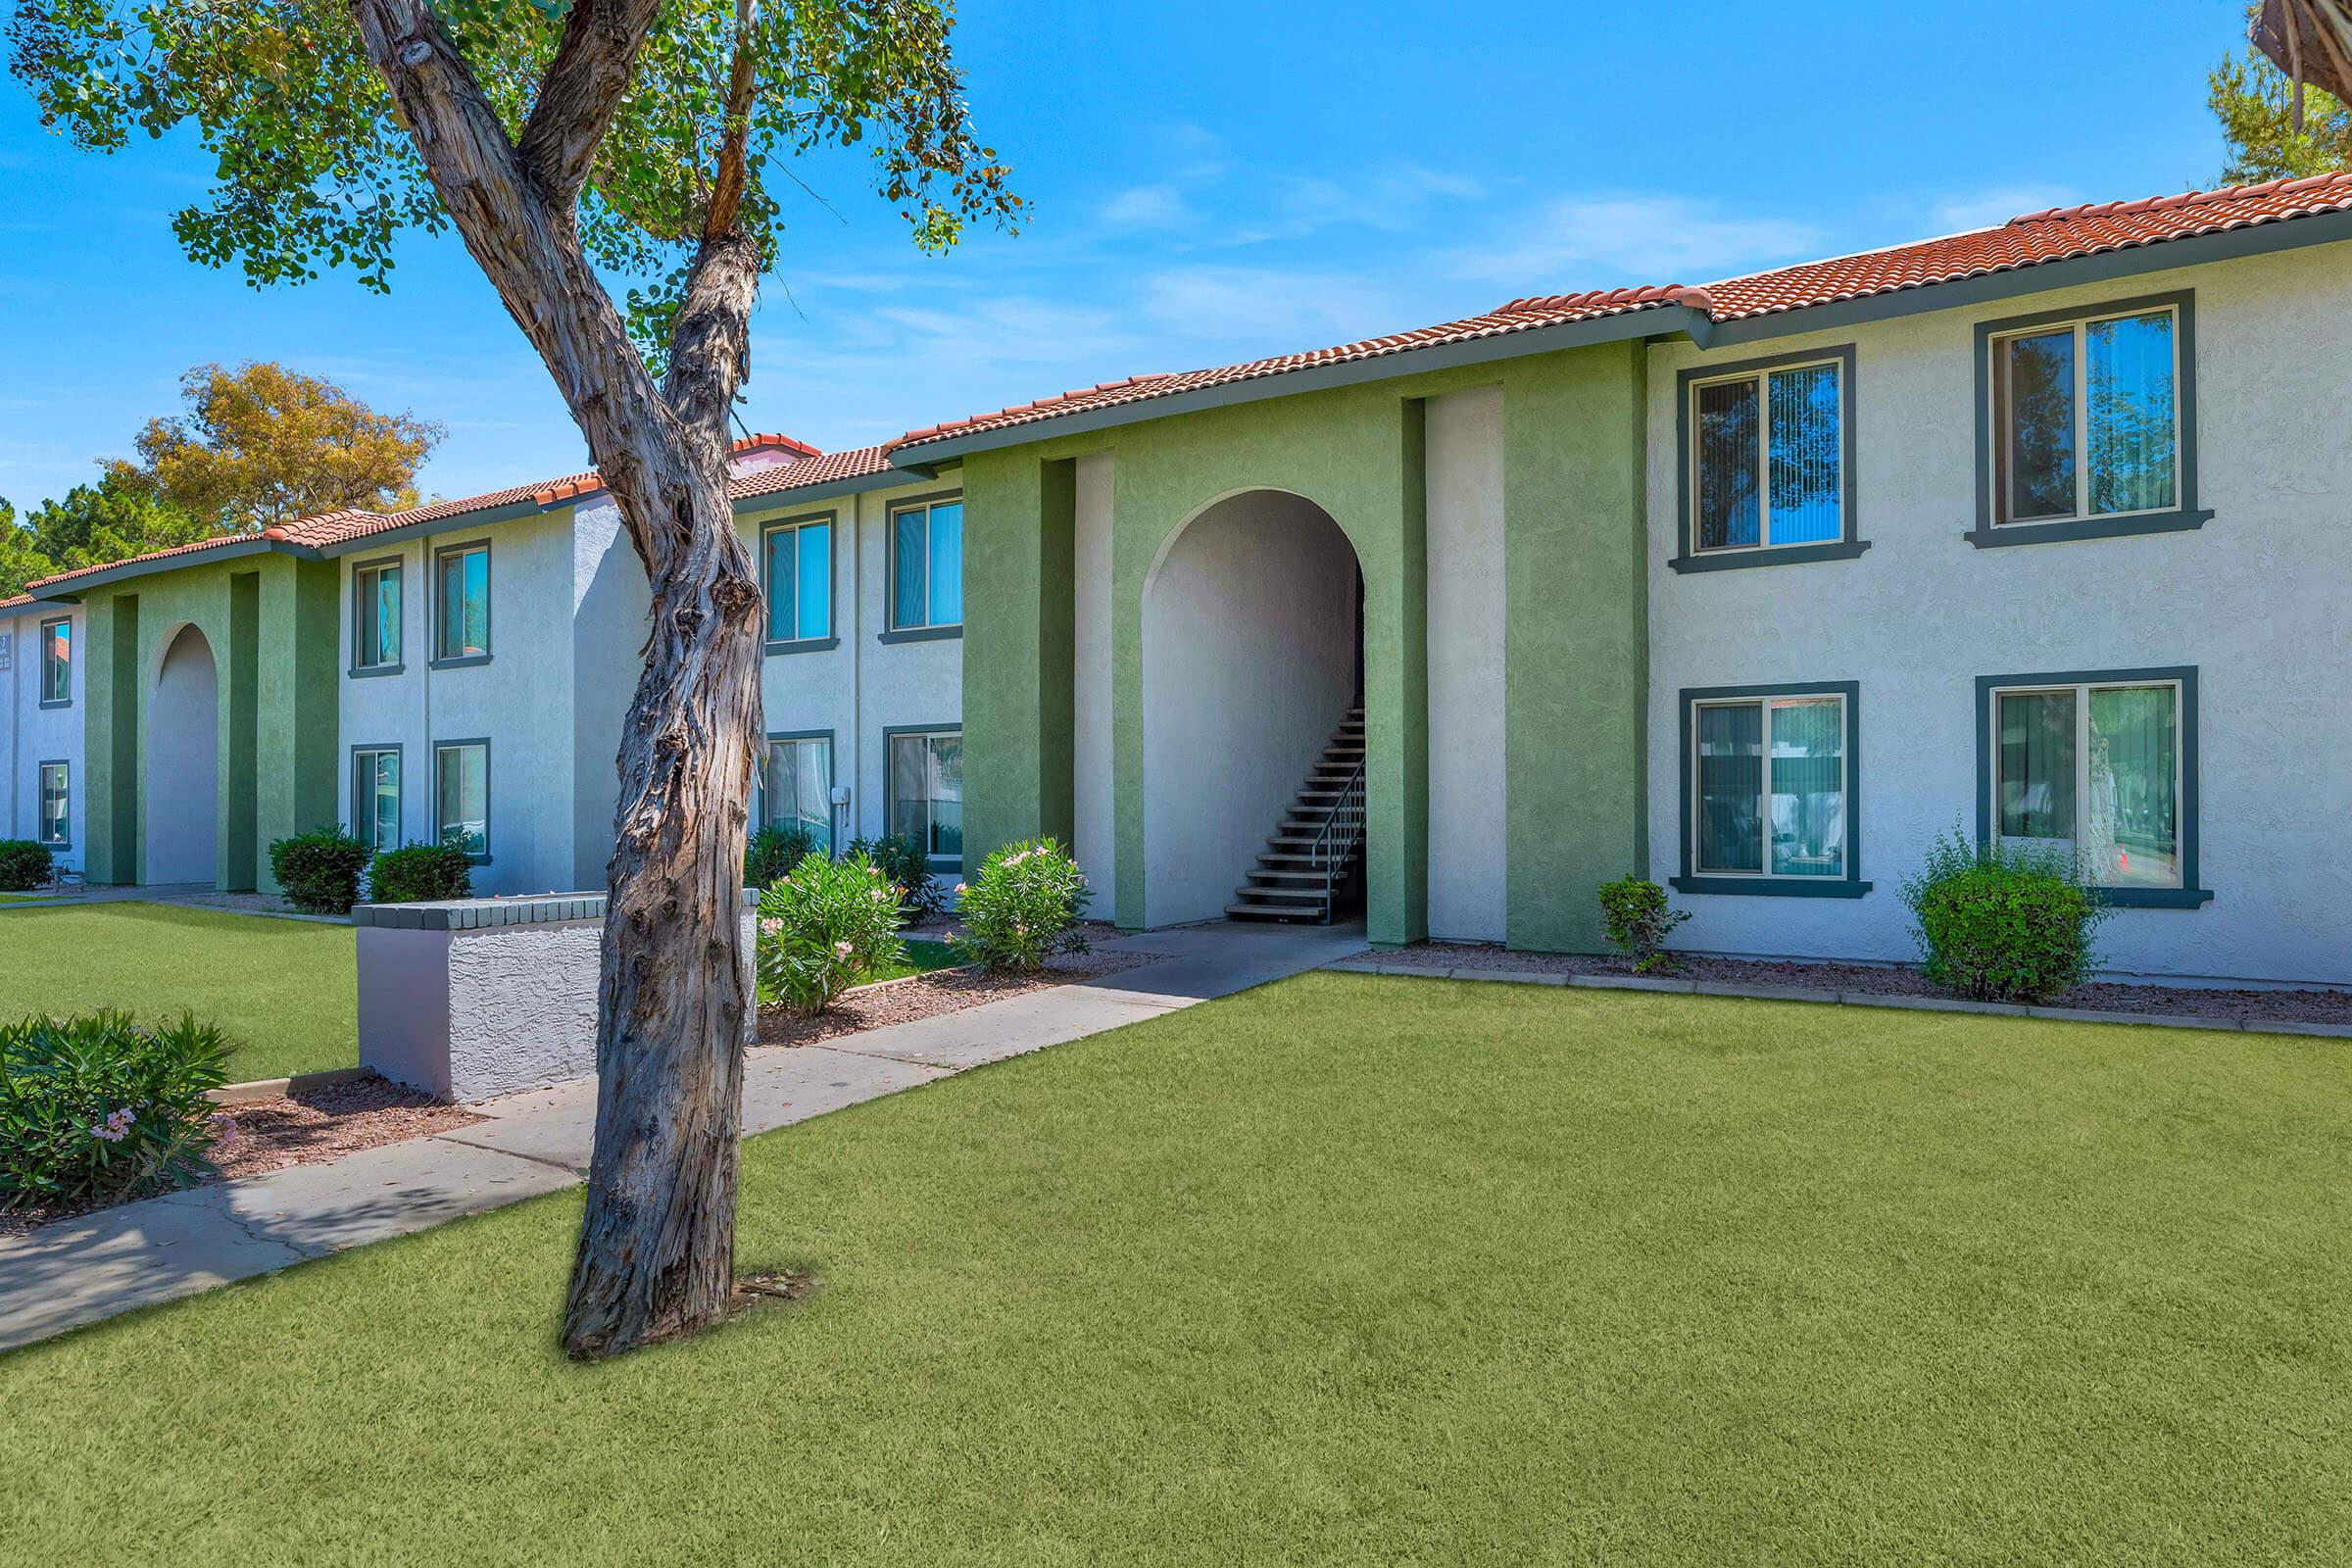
x,y
1337,840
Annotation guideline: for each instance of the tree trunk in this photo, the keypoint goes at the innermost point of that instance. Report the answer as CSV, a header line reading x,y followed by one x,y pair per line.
x,y
656,1257
656,1249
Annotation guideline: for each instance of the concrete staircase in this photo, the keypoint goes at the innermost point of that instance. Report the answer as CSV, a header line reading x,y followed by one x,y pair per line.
x,y
1312,856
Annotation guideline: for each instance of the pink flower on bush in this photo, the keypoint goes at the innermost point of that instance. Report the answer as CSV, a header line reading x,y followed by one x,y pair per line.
x,y
116,1125
771,926
844,948
959,889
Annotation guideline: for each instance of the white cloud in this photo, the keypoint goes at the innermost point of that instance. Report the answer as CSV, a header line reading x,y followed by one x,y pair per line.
x,y
1987,208
1010,329
1280,310
1645,239
1146,207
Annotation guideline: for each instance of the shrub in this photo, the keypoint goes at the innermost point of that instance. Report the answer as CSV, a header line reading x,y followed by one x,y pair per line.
x,y
1025,906
23,865
1634,916
415,873
97,1107
907,868
773,851
320,870
2002,924
821,928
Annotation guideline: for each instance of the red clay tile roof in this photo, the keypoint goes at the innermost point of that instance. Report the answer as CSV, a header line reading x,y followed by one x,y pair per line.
x,y
15,603
2030,240
813,468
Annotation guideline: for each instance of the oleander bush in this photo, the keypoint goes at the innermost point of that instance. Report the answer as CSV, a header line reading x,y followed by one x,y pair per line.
x,y
772,851
1638,922
23,865
1027,904
822,927
98,1108
418,873
320,870
1999,923
905,867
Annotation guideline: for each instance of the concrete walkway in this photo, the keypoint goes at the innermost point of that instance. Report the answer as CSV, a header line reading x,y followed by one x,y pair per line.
x,y
79,1271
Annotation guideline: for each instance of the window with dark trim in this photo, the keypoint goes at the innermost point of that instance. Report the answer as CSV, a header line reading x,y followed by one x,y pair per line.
x,y
462,604
462,796
924,788
1771,797
1766,451
2086,422
375,796
2097,768
926,564
797,562
796,790
55,824
57,662
375,616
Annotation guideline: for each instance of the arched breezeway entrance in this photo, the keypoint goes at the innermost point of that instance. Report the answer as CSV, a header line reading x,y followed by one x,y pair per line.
x,y
183,762
1253,686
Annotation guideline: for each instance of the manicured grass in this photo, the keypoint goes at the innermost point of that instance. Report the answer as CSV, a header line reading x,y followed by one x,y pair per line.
x,y
1345,1270
284,989
923,956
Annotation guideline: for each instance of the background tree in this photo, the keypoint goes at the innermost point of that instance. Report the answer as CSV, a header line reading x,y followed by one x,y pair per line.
x,y
20,561
641,138
2278,113
263,445
107,522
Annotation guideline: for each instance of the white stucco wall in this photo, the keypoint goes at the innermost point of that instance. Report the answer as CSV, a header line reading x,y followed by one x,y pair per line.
x,y
1095,801
1467,781
1248,654
183,760
2254,600
522,699
35,734
611,599
864,686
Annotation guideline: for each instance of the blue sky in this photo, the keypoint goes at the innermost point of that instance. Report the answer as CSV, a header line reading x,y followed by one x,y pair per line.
x,y
1213,183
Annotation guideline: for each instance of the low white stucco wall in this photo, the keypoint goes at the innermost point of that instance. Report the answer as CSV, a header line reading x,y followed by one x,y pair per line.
x,y
1468,843
2254,600
1249,661
470,1011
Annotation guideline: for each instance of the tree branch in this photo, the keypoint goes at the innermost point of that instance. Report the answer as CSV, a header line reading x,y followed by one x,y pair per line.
x,y
594,63
709,343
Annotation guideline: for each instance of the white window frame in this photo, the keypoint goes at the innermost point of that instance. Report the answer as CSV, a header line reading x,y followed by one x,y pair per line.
x,y
1762,379
362,575
1846,787
400,795
2003,444
441,751
48,660
2081,691
768,793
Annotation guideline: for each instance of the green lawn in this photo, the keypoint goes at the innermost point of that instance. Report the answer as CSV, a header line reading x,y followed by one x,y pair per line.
x,y
284,989
1347,1270
923,956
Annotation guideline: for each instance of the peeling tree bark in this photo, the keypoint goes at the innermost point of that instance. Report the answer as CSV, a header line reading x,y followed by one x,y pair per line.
x,y
656,1256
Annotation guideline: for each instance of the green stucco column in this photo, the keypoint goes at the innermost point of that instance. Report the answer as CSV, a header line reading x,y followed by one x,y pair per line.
x,y
1018,647
110,733
1576,685
1397,688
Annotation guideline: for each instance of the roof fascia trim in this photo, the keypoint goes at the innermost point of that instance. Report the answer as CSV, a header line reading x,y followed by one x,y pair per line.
x,y
1663,321
504,513
122,570
857,484
2159,256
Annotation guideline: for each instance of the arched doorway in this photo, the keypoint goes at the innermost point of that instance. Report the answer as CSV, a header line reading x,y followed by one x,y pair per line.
x,y
1253,690
183,763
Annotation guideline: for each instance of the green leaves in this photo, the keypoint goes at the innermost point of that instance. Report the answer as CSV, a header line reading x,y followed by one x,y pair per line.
x,y
312,168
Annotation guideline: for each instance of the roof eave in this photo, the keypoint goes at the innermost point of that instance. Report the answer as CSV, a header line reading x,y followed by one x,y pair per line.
x,y
1662,321
826,490
73,588
2040,278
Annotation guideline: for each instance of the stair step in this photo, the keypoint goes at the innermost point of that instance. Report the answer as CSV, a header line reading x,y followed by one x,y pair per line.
x,y
1247,912
1266,876
1282,898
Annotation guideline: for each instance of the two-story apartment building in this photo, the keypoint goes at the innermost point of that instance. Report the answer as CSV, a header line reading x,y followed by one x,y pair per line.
x,y
2037,532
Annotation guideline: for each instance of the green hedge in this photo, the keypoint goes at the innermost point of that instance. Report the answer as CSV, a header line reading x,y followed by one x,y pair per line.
x,y
1997,923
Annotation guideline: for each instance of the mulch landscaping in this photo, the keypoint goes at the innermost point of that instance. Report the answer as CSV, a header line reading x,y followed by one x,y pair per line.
x,y
299,1129
926,996
1890,980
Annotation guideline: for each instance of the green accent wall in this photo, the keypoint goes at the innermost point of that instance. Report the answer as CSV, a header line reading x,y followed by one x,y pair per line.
x,y
1576,639
274,624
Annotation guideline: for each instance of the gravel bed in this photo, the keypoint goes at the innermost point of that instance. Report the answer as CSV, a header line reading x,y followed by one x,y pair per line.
x,y
1889,980
926,996
300,1129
